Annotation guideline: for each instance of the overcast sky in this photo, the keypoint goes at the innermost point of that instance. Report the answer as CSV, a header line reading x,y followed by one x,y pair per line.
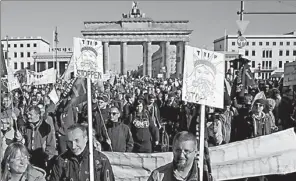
x,y
207,19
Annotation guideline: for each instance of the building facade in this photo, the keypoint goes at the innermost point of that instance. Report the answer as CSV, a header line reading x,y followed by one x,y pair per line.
x,y
59,60
268,53
21,50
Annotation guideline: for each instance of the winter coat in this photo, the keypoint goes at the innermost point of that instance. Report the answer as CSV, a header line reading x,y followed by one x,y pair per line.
x,y
40,141
69,167
121,137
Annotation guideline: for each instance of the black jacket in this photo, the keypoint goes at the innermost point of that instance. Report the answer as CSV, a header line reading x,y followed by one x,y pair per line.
x,y
69,167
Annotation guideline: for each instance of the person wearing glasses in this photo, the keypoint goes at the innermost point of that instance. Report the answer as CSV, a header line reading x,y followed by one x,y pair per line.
x,y
260,123
15,165
119,133
185,165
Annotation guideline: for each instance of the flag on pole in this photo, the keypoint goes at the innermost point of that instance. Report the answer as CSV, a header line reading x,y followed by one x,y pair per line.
x,y
13,82
54,96
3,69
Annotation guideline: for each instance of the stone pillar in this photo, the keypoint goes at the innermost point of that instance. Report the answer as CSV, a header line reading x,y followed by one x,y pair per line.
x,y
58,68
179,59
167,59
123,48
149,59
144,59
46,65
106,56
35,66
183,57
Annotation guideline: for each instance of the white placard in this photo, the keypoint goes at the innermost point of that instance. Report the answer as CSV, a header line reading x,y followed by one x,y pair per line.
x,y
88,59
203,79
290,74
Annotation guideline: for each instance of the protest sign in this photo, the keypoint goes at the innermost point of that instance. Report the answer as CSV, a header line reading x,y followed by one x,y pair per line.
x,y
88,59
290,74
38,78
12,82
248,158
203,79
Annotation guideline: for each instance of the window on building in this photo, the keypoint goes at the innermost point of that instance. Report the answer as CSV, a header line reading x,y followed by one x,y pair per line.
x,y
28,54
263,64
281,53
65,49
253,53
21,45
294,52
28,64
280,64
28,45
8,45
263,53
15,55
270,64
288,43
22,54
294,43
246,52
253,43
274,43
22,65
281,43
253,64
15,45
260,43
270,53
35,44
15,65
34,53
5,55
267,43
2,45
287,52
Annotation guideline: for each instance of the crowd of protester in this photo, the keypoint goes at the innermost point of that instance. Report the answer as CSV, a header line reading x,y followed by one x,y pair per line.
x,y
43,140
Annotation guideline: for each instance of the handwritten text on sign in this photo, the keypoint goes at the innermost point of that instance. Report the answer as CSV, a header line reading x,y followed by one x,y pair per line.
x,y
248,158
290,74
88,59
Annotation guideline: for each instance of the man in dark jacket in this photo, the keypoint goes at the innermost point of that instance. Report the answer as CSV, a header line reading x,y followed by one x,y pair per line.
x,y
73,165
127,109
119,133
39,138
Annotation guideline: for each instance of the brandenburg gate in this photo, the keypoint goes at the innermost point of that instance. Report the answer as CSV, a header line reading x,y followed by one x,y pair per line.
x,y
136,29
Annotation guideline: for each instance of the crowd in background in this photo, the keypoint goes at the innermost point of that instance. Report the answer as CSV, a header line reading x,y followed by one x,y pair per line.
x,y
140,115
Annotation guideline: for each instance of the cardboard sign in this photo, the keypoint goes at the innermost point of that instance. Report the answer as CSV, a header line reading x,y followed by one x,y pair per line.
x,y
290,74
88,59
203,78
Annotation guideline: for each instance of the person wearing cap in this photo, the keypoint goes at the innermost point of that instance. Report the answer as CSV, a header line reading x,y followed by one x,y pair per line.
x,y
100,116
239,123
259,122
